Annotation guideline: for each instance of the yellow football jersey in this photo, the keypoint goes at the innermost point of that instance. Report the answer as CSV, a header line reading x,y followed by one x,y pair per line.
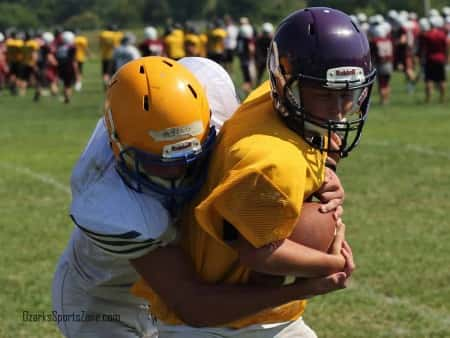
x,y
174,44
29,48
260,91
81,45
194,40
117,37
14,50
259,175
203,44
107,42
216,41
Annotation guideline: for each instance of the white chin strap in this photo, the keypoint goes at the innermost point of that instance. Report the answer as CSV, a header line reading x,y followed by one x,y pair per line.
x,y
113,132
165,183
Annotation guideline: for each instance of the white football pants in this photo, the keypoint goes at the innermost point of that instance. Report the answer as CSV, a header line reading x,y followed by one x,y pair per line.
x,y
81,315
295,329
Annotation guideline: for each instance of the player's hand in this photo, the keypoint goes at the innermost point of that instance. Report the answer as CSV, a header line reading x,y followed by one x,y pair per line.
x,y
323,285
336,248
331,194
334,282
350,266
334,157
339,238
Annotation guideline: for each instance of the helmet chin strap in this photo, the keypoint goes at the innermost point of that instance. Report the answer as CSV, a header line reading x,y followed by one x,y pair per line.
x,y
113,133
165,182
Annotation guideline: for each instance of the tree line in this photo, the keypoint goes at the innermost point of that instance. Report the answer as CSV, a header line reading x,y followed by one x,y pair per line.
x,y
95,14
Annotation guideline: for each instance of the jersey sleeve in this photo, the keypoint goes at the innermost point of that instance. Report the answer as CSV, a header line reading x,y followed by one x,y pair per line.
x,y
123,245
96,157
262,193
219,87
119,220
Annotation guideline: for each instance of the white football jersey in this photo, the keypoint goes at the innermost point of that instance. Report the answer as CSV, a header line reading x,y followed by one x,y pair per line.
x,y
219,88
231,38
115,223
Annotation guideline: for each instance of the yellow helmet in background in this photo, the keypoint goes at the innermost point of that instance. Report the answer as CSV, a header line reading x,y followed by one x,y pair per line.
x,y
157,115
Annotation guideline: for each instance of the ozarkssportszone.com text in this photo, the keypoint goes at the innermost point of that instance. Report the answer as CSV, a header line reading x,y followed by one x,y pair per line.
x,y
81,316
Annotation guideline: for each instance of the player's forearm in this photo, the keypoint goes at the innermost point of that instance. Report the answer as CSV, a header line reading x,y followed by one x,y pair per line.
x,y
290,258
215,305
170,273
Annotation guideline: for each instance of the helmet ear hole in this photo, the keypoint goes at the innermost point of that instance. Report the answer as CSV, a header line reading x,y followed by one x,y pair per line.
x,y
311,29
146,105
141,70
192,91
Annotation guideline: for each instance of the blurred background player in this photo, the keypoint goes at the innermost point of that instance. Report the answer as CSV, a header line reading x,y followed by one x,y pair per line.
x,y
3,63
27,75
109,39
383,56
67,64
404,48
363,22
230,42
151,45
174,42
192,42
216,41
262,44
246,53
126,52
46,66
82,52
425,26
14,59
436,54
203,44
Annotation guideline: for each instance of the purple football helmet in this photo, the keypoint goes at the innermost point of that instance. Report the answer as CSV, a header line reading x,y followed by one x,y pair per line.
x,y
321,48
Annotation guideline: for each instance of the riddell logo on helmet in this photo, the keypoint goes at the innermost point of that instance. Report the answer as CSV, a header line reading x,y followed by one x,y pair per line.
x,y
181,146
341,77
182,149
345,72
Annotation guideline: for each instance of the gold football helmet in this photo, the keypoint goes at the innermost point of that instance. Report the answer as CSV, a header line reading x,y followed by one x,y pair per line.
x,y
158,120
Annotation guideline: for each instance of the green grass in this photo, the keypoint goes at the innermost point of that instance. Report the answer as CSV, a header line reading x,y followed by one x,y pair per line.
x,y
397,185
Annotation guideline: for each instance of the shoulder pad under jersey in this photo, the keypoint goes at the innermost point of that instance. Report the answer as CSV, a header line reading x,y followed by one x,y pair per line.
x,y
95,159
118,219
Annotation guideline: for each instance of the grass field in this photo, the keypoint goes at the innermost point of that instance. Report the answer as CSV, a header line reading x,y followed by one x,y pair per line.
x,y
398,200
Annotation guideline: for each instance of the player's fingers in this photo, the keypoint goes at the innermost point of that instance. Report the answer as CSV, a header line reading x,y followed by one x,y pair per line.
x,y
338,238
330,194
337,280
335,141
340,229
347,246
349,263
338,213
331,205
335,144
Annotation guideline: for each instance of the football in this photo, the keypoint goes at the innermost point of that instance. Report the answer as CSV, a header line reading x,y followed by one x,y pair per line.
x,y
314,229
